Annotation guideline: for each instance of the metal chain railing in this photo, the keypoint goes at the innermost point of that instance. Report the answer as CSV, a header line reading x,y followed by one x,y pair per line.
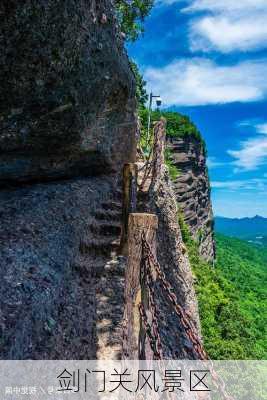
x,y
190,330
146,275
148,263
148,330
150,267
155,159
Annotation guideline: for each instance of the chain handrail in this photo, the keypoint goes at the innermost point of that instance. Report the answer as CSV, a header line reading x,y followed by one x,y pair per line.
x,y
155,159
153,307
183,316
150,261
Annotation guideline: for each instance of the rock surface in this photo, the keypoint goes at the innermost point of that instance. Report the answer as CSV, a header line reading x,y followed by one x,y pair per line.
x,y
67,124
192,190
67,102
174,262
67,111
55,241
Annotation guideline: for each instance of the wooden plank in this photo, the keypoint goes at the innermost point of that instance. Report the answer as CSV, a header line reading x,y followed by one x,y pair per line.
x,y
129,200
159,148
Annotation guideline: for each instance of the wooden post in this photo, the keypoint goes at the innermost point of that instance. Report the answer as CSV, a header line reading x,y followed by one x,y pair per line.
x,y
159,147
129,200
138,223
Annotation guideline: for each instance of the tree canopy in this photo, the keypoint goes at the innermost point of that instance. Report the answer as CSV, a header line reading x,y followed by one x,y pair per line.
x,y
178,125
141,93
131,15
231,297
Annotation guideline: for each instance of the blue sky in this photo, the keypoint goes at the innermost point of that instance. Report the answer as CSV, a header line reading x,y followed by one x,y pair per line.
x,y
208,59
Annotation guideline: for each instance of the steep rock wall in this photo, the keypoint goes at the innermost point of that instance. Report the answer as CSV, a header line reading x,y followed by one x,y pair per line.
x,y
67,117
172,256
51,257
67,92
192,190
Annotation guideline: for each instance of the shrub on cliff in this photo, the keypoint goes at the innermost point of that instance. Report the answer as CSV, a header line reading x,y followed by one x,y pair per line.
x,y
141,93
131,15
178,125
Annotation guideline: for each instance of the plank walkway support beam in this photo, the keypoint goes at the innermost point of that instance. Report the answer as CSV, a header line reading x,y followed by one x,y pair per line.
x,y
158,149
129,200
134,343
156,158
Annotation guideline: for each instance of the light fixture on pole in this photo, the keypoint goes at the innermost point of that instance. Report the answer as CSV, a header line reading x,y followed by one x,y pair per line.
x,y
158,102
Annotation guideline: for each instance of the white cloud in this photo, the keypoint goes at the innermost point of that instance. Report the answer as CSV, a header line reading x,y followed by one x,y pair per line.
x,y
252,152
199,81
258,125
225,5
228,25
225,25
243,34
255,184
232,185
213,163
251,155
262,128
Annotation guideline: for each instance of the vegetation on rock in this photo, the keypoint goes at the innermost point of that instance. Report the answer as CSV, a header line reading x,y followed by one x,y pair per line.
x,y
232,297
141,93
131,15
173,170
178,125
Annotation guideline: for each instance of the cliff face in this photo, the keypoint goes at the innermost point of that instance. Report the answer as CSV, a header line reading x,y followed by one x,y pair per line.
x,y
192,191
52,253
172,256
67,125
67,111
67,92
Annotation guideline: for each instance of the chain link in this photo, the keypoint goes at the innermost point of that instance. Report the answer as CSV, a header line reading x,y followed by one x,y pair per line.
x,y
149,262
152,305
183,316
147,329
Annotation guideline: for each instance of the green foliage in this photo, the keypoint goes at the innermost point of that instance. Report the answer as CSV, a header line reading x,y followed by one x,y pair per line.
x,y
141,93
186,234
200,235
173,170
131,15
178,125
232,298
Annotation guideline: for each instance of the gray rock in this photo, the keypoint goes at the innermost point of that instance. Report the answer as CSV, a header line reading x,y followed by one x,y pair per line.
x,y
67,111
192,190
174,262
59,115
50,263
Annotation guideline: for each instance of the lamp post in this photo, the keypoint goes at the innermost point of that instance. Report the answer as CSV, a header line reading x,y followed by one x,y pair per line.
x,y
158,102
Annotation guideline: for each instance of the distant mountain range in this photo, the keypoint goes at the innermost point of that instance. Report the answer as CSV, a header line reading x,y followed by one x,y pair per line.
x,y
251,229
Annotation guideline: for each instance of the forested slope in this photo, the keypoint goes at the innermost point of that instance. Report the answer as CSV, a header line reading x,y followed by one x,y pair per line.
x,y
232,298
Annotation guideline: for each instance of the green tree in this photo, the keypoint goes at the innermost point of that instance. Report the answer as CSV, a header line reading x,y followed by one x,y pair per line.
x,y
141,93
131,15
178,125
231,297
